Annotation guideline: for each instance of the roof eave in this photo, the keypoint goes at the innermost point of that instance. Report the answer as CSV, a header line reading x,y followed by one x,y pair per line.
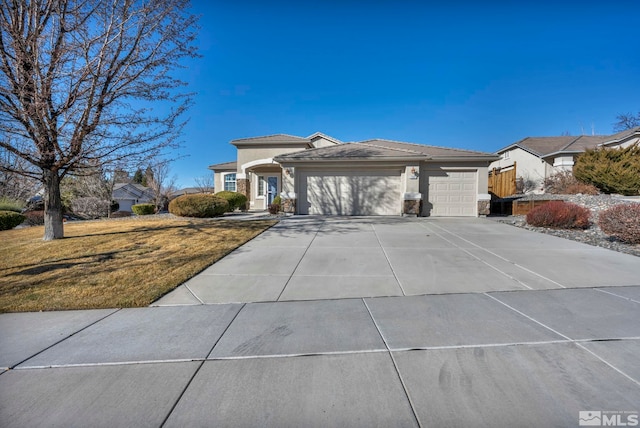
x,y
350,159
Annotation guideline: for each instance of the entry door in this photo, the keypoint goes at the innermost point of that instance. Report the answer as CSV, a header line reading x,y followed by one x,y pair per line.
x,y
272,189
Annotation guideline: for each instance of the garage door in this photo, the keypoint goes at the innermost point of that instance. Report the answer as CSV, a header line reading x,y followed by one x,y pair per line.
x,y
349,193
452,193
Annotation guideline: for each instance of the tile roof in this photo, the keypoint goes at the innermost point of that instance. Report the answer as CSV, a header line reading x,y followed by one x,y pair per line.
x,y
381,149
545,146
224,166
271,139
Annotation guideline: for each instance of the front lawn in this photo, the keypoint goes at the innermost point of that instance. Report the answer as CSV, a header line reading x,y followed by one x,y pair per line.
x,y
112,263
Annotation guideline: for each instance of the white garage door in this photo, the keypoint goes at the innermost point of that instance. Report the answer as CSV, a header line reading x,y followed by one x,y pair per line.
x,y
452,193
349,193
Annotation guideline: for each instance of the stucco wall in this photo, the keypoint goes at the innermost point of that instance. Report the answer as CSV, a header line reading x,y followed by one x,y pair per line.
x,y
249,154
528,166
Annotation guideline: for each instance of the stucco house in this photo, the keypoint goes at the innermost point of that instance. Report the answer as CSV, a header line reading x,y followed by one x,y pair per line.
x,y
321,175
538,158
130,194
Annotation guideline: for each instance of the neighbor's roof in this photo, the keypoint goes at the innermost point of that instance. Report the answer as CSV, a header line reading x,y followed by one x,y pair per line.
x,y
271,139
547,146
383,150
226,166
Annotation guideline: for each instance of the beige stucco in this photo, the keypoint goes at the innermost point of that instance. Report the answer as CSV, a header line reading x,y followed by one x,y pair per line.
x,y
247,155
528,166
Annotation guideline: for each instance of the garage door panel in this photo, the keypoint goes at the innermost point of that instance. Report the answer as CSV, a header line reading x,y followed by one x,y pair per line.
x,y
354,193
452,193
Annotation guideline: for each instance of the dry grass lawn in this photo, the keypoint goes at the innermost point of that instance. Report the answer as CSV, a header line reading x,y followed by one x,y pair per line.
x,y
112,263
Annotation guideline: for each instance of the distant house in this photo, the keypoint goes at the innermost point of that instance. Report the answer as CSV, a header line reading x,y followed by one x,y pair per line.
x,y
130,194
538,158
190,191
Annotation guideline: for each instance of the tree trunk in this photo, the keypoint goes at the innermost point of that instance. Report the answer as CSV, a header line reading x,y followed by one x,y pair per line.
x,y
53,228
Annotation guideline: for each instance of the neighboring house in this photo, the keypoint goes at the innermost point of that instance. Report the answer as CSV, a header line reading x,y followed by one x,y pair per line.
x,y
321,175
189,191
538,158
130,194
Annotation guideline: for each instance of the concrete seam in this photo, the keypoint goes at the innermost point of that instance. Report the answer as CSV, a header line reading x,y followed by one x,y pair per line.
x,y
500,257
617,295
580,345
299,261
194,294
395,365
195,373
479,258
388,261
65,338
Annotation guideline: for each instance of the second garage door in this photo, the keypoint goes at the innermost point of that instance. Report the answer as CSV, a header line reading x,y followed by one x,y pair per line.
x,y
452,193
349,193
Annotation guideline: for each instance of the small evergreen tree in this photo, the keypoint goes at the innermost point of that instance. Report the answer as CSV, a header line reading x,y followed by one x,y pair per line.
x,y
611,170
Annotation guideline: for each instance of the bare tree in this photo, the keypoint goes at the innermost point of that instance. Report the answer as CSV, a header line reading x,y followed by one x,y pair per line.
x,y
160,183
205,183
626,121
78,83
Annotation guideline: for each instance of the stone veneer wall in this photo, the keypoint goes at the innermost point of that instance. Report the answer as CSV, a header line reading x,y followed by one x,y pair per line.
x,y
484,207
289,205
244,186
411,207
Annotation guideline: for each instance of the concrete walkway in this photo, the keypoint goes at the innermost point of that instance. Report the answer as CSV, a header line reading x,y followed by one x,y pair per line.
x,y
348,322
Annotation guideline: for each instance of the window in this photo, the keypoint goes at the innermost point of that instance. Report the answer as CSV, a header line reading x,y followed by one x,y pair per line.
x,y
505,155
230,182
260,185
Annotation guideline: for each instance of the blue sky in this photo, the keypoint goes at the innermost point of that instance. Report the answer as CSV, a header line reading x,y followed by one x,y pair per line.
x,y
477,75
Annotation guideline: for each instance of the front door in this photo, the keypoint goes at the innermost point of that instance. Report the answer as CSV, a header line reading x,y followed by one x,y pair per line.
x,y
272,189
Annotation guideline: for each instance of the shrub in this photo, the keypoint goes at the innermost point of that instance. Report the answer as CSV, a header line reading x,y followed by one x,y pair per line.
x,y
235,199
565,183
8,204
120,214
143,209
10,219
115,206
622,222
559,214
611,170
277,200
90,207
198,205
274,208
35,218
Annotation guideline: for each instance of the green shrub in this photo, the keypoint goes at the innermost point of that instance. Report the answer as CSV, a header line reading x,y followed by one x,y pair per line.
x,y
8,204
143,209
200,205
611,170
277,200
622,222
559,214
235,199
10,219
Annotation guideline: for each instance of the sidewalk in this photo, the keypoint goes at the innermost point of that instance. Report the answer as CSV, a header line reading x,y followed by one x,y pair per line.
x,y
485,357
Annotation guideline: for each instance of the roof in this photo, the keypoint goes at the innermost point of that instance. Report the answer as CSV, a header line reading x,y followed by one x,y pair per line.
x,y
547,146
226,166
383,150
135,190
271,139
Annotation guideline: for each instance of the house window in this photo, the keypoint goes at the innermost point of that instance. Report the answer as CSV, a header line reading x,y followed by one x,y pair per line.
x,y
505,155
230,182
260,185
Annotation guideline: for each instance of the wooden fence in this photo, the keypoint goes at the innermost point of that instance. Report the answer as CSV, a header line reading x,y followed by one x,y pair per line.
x,y
502,182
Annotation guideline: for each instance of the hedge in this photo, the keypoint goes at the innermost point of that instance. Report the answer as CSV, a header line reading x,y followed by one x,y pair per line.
x,y
10,219
200,205
143,209
611,170
559,214
235,199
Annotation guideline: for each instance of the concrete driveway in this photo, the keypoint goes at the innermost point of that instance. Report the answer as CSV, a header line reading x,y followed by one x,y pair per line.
x,y
351,322
306,258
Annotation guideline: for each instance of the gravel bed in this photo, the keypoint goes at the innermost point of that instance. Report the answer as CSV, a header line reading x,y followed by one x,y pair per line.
x,y
592,236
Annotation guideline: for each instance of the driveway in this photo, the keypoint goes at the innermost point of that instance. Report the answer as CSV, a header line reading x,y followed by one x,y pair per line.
x,y
351,322
305,258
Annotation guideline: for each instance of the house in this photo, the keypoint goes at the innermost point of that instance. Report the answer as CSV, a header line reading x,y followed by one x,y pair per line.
x,y
130,194
538,158
321,175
